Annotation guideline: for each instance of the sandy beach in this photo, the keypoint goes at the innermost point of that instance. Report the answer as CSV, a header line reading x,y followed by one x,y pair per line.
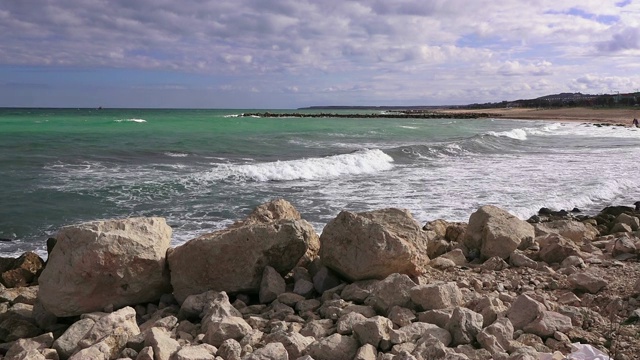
x,y
615,116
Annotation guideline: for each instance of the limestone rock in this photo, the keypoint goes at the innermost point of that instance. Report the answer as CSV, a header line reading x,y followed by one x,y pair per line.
x,y
555,248
393,290
519,259
106,263
236,257
632,221
334,347
123,321
272,351
294,343
230,327
230,349
196,352
497,336
271,286
22,271
464,325
162,344
109,347
523,311
67,344
547,323
574,230
495,232
366,352
38,343
587,282
373,245
415,331
210,304
436,296
373,331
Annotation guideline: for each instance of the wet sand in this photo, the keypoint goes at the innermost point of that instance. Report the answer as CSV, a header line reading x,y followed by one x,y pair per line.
x,y
613,116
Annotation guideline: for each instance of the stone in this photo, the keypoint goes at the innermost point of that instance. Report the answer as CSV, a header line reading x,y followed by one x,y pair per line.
x,y
401,316
519,259
547,323
304,288
196,352
230,327
162,344
436,317
555,248
495,263
271,286
415,331
523,311
456,256
374,331
497,337
22,271
145,354
495,232
236,257
325,279
334,347
344,325
294,343
587,282
272,351
207,305
318,329
38,343
620,228
122,321
358,291
436,296
573,230
393,290
230,349
374,244
464,325
366,352
633,222
106,263
441,263
621,245
109,347
67,344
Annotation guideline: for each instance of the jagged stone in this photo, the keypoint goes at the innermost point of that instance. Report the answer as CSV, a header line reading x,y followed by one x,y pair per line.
x,y
523,311
162,344
401,316
334,347
22,271
497,336
519,259
271,286
37,343
415,331
436,296
555,248
196,352
464,325
495,232
230,327
393,290
373,245
230,349
366,352
358,291
375,331
574,230
123,320
294,343
345,323
109,347
272,351
106,263
67,344
587,282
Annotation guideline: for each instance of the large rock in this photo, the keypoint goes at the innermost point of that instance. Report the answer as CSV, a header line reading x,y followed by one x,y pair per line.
x,y
22,271
281,209
374,244
574,230
495,232
334,347
555,248
436,296
235,258
106,263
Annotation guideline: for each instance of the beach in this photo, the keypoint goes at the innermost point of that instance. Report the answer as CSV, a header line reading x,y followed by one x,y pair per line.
x,y
581,114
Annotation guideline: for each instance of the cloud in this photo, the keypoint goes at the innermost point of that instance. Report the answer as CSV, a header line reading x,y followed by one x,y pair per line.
x,y
626,39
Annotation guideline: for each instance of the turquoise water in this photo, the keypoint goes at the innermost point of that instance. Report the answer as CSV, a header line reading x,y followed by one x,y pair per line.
x,y
204,169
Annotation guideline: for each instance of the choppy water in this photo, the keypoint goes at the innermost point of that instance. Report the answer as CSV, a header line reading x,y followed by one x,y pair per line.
x,y
204,169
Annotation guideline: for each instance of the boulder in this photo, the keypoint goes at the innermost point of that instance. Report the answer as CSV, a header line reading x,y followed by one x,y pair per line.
x,y
121,322
632,221
22,271
162,344
464,325
497,336
587,282
393,290
271,286
272,351
375,331
495,232
67,344
235,258
374,244
100,264
281,209
573,230
523,311
334,347
555,248
436,296
547,323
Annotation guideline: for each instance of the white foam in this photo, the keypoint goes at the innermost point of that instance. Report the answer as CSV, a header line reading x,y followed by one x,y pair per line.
x,y
360,162
518,134
131,120
174,154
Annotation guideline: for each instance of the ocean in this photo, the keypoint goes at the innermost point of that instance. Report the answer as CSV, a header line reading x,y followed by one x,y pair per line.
x,y
204,169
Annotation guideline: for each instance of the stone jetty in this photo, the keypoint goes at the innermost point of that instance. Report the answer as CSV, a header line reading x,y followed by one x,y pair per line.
x,y
375,285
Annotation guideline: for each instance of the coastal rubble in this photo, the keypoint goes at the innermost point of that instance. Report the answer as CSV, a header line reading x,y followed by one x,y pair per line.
x,y
552,281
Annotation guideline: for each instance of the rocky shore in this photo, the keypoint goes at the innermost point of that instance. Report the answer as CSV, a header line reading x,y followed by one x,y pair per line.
x,y
374,285
400,114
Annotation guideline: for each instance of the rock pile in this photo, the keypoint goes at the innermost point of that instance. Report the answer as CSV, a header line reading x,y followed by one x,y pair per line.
x,y
375,285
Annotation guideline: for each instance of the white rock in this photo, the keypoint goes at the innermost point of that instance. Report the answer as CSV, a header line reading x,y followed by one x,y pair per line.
x,y
230,327
106,263
162,344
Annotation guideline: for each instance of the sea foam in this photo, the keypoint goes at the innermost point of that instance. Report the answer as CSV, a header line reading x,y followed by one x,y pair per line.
x,y
131,120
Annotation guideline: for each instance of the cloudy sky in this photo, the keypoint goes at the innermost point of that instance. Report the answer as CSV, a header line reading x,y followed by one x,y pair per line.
x,y
295,53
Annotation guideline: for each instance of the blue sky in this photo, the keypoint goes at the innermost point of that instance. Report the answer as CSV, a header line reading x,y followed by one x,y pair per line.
x,y
296,53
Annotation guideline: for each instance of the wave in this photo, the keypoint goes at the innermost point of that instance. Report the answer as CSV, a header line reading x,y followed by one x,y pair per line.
x,y
356,163
175,154
131,120
517,134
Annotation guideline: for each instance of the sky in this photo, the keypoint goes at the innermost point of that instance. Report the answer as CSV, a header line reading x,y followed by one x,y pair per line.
x,y
297,53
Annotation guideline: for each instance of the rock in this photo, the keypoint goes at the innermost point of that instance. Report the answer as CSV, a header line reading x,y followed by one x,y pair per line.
x,y
334,347
16,325
106,263
436,296
325,279
344,325
122,321
38,343
373,245
281,209
236,257
272,351
366,352
495,263
67,344
497,337
393,290
620,228
108,347
162,344
211,304
555,248
304,288
441,263
523,311
436,317
495,232
464,325
519,259
632,221
573,230
22,271
294,343
587,282
230,350
547,323
230,327
455,255
621,245
271,286
196,352
318,329
401,316
358,291
415,331
375,331
24,295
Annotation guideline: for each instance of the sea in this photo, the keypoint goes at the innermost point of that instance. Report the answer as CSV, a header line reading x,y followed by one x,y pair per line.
x,y
204,169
